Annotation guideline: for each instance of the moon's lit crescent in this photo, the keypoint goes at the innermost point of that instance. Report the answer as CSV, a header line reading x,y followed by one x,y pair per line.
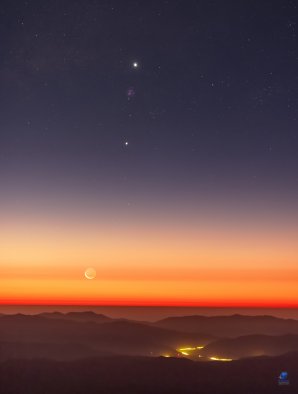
x,y
90,273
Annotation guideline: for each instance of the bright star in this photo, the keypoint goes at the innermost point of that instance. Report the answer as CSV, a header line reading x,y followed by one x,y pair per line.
x,y
135,64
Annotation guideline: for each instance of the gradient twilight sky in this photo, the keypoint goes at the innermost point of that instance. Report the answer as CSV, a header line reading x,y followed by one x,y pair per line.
x,y
175,178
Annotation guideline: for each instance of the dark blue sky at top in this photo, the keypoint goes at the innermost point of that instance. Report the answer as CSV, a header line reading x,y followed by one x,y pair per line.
x,y
215,100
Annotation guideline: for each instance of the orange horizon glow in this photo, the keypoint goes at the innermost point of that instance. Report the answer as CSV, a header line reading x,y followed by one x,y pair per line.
x,y
135,293
127,303
200,262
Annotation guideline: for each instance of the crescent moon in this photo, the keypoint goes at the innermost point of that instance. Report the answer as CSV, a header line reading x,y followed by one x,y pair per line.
x,y
90,273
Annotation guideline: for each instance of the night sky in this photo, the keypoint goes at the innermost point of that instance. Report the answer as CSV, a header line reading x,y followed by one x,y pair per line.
x,y
155,141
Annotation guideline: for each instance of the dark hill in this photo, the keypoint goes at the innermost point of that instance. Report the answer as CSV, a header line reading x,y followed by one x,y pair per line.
x,y
231,326
78,316
55,351
251,346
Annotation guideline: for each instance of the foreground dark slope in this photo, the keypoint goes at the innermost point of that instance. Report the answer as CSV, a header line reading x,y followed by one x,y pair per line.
x,y
111,375
231,326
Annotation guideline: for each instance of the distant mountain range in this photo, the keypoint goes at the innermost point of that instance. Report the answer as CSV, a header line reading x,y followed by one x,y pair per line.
x,y
78,316
87,335
76,335
231,326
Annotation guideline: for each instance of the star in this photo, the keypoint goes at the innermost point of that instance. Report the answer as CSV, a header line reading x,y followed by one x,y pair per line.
x,y
126,143
135,65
